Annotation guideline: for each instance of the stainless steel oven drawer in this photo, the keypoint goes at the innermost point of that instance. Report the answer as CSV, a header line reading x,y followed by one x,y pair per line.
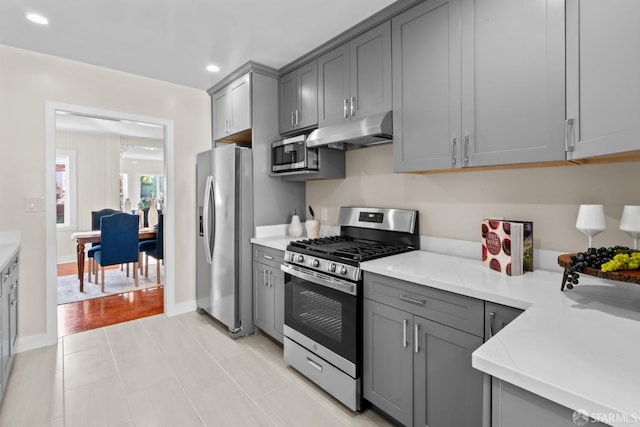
x,y
458,311
335,382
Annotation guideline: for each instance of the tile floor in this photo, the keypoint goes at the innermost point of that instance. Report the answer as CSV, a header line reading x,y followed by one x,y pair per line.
x,y
161,371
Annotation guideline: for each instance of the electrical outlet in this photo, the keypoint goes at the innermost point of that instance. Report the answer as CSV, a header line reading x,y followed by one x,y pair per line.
x,y
323,214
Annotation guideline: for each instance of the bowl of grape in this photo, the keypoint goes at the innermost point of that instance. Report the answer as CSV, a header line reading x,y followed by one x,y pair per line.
x,y
614,263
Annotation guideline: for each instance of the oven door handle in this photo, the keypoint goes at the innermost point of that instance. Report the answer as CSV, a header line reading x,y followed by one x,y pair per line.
x,y
328,282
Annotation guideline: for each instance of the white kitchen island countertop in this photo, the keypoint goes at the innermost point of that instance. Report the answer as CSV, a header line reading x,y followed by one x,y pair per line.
x,y
579,348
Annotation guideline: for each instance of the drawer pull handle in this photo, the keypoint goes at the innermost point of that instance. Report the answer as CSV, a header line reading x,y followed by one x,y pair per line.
x,y
314,364
405,322
267,256
412,300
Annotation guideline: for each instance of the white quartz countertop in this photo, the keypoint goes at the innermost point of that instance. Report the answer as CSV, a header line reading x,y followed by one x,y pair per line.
x,y
274,242
579,348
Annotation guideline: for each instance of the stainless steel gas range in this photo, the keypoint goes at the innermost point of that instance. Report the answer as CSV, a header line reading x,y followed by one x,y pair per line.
x,y
323,295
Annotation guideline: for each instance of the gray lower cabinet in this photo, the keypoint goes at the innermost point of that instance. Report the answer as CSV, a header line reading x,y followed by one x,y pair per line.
x,y
472,89
513,406
603,102
498,316
416,369
268,291
8,319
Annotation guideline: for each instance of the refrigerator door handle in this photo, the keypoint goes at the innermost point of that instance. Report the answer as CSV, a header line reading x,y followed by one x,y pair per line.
x,y
207,212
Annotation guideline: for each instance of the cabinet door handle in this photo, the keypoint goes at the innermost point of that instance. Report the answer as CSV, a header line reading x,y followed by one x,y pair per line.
x,y
568,135
345,113
416,335
353,106
454,143
291,119
314,364
492,319
269,280
466,149
264,277
405,323
297,123
412,300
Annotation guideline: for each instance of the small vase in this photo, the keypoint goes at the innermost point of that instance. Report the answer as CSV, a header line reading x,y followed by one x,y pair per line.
x,y
295,228
313,228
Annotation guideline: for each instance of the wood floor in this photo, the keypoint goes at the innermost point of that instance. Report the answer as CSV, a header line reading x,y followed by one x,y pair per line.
x,y
98,312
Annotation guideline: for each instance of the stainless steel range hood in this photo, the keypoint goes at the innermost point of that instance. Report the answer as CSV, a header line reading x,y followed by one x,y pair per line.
x,y
356,133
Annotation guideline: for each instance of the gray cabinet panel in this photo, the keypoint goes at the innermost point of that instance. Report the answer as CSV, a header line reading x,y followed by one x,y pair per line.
x,y
268,291
263,297
513,406
240,99
307,82
287,98
370,56
497,317
603,77
299,98
448,391
512,81
387,360
333,86
426,86
220,111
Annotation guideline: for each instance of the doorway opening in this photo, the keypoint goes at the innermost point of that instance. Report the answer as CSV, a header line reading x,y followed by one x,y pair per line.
x,y
102,159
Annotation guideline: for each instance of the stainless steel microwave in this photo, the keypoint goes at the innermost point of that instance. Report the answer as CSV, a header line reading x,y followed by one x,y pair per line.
x,y
292,154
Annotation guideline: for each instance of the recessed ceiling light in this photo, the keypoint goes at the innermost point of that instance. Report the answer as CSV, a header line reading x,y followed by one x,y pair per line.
x,y
38,19
213,68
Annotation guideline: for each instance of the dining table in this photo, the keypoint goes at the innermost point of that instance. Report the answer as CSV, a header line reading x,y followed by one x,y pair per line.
x,y
93,236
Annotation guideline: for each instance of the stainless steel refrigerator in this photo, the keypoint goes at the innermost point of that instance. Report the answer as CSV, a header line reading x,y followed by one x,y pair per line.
x,y
224,230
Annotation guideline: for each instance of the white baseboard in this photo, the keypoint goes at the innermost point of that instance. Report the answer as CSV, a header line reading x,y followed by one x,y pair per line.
x,y
32,342
182,308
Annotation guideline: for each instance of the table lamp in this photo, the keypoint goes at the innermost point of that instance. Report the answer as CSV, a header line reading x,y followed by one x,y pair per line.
x,y
630,223
591,221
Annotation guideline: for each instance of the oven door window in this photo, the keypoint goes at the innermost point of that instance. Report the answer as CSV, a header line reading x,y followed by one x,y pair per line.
x,y
322,314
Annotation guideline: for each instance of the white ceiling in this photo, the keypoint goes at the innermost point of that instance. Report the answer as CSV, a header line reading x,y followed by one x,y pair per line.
x,y
174,40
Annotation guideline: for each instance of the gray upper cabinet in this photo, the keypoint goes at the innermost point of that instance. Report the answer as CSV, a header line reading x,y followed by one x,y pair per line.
x,y
299,98
231,107
354,80
472,89
603,77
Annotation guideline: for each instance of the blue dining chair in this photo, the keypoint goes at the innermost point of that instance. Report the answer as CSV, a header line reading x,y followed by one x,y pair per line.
x,y
95,225
154,248
118,242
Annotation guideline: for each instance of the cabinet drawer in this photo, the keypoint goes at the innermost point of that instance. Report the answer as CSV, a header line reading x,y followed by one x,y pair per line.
x,y
269,256
458,311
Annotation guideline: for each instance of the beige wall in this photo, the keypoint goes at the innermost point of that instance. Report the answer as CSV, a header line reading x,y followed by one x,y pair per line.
x,y
97,173
452,205
27,81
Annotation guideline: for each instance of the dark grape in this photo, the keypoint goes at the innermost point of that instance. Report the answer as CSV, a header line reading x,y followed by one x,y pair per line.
x,y
593,258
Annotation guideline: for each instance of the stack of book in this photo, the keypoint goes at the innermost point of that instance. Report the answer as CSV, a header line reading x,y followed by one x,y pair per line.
x,y
507,246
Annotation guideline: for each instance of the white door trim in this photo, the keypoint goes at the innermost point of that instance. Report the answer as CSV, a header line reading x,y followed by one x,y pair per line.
x,y
51,335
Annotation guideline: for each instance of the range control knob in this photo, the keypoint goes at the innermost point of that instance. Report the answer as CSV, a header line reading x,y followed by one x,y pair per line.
x,y
315,263
332,267
343,270
300,258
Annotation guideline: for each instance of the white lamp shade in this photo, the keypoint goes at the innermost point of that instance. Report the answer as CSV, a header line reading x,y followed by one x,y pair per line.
x,y
591,219
630,221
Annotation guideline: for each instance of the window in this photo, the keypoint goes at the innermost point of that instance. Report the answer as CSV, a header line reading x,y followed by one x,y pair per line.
x,y
65,189
151,188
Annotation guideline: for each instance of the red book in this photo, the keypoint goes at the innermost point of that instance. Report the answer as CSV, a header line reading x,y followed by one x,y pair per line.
x,y
507,246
